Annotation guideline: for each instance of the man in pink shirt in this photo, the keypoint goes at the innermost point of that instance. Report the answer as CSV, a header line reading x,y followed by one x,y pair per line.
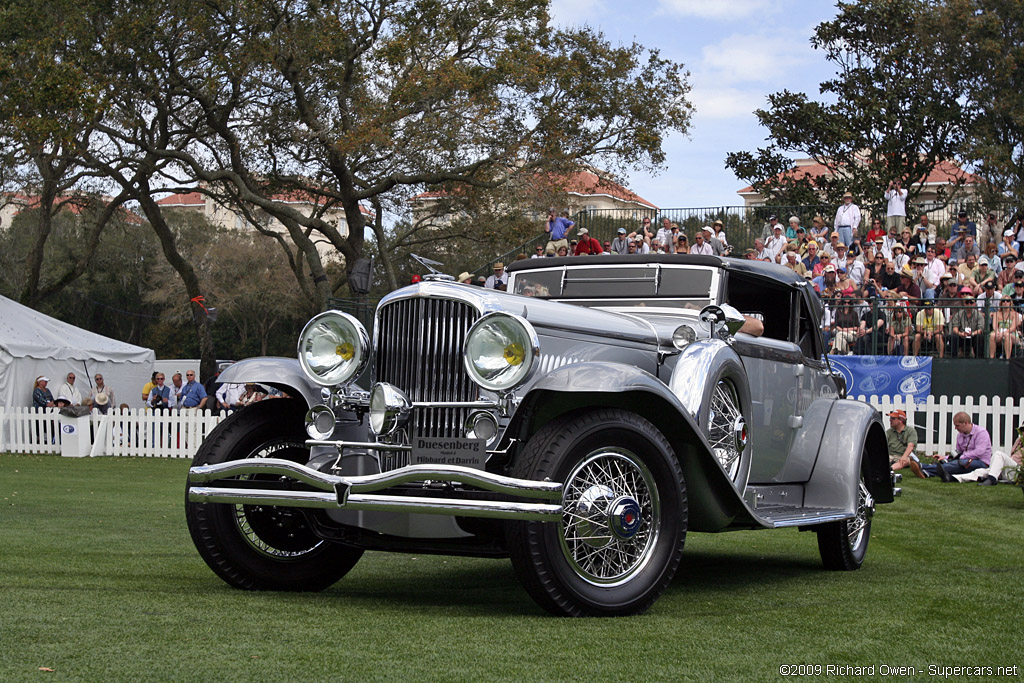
x,y
973,450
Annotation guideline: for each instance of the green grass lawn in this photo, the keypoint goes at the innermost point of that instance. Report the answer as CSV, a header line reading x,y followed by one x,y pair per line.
x,y
99,581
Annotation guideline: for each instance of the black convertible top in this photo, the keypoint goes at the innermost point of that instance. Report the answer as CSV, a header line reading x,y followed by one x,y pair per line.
x,y
760,268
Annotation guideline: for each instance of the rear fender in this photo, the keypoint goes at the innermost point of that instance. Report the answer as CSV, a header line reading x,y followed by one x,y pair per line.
x,y
853,442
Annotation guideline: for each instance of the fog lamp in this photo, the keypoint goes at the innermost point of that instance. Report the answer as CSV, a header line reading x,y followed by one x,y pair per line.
x,y
389,409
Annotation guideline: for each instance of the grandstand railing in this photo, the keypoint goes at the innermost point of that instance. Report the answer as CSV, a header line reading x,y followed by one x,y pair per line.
x,y
743,224
875,343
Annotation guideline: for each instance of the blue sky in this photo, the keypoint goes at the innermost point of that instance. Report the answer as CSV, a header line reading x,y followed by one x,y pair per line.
x,y
737,52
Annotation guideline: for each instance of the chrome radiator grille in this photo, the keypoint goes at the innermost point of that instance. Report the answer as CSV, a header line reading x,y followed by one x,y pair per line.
x,y
418,348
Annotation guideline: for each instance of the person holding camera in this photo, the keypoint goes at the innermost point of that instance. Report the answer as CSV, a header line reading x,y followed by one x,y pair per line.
x,y
558,226
973,451
159,395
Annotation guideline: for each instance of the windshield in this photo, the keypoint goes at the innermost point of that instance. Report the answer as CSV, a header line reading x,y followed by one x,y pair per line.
x,y
636,285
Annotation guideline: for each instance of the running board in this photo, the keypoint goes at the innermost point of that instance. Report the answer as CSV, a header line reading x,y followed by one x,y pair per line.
x,y
787,516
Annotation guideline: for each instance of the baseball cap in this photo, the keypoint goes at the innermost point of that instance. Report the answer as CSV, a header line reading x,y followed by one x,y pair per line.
x,y
829,269
718,222
966,290
583,231
900,414
42,378
834,234
622,231
1008,233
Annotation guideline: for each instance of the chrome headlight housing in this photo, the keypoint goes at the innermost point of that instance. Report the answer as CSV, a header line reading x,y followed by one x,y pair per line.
x,y
389,409
333,348
501,351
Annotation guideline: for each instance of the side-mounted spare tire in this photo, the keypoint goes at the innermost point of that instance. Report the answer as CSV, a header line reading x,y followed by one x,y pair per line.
x,y
263,547
621,536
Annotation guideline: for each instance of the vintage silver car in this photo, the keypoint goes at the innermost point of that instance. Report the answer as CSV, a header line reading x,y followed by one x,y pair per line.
x,y
581,424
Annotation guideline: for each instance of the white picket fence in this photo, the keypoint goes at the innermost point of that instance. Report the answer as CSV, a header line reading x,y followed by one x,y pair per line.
x,y
934,418
133,431
141,432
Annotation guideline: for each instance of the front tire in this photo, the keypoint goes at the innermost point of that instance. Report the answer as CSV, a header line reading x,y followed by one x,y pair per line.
x,y
260,547
622,531
844,544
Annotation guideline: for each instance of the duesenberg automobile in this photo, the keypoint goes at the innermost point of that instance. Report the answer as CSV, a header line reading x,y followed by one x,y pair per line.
x,y
580,423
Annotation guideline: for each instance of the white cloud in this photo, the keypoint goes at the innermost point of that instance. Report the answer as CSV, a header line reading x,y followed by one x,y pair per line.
x,y
725,102
755,57
577,12
717,9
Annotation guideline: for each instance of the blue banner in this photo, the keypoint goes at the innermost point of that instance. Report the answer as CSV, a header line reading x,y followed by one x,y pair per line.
x,y
886,375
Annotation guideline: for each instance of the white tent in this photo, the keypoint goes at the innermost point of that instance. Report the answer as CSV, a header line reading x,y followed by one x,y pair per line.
x,y
33,344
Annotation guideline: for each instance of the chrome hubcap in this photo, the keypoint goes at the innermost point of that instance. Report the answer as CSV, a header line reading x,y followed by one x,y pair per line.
x,y
611,517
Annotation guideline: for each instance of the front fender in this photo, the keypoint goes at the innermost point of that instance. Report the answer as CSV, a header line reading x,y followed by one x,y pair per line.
x,y
713,502
282,373
695,366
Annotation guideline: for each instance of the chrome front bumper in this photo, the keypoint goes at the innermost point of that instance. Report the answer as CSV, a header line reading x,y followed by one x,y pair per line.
x,y
354,493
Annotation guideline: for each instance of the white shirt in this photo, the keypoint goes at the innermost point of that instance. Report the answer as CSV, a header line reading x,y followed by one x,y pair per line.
x,y
774,245
848,215
705,249
493,281
856,272
897,202
68,391
937,269
228,394
175,400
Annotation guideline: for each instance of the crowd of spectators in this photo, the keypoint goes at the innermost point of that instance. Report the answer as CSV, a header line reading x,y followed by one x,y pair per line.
x,y
183,393
897,290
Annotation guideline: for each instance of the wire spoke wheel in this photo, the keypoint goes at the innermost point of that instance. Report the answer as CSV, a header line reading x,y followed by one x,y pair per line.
x,y
624,515
275,531
844,544
724,417
858,527
264,547
611,516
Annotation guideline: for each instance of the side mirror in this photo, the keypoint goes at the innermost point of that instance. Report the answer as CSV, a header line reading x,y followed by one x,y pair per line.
x,y
722,319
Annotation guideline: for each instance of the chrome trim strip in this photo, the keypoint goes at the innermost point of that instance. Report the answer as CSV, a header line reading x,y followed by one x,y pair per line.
x,y
358,444
549,490
297,499
809,519
456,404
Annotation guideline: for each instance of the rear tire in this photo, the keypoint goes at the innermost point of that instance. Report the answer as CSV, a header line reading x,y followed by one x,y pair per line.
x,y
844,544
621,536
262,547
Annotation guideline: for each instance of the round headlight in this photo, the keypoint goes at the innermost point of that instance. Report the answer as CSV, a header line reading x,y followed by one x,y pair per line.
x,y
683,335
389,408
333,348
501,350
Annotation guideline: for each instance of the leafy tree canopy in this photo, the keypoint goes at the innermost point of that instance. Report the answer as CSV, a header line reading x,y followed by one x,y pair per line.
x,y
890,113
